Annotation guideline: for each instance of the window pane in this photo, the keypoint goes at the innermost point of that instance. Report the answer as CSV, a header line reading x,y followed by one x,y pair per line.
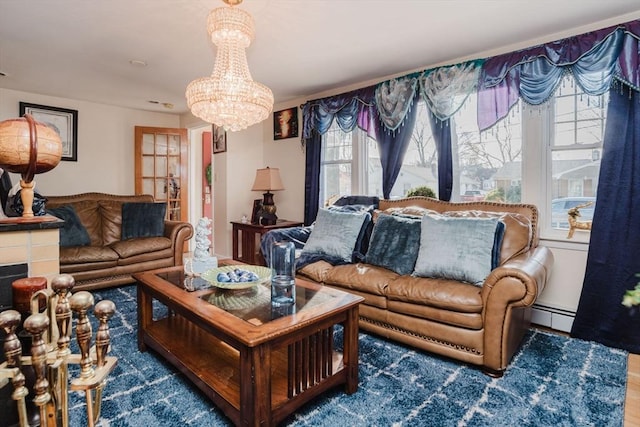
x,y
420,165
489,165
335,181
337,145
579,120
374,169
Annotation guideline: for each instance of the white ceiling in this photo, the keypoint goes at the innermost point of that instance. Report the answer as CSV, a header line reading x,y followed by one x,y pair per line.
x,y
82,49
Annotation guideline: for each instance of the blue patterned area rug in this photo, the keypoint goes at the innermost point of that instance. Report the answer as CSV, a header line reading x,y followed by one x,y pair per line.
x,y
552,381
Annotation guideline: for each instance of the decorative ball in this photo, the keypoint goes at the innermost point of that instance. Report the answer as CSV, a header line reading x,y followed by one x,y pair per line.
x,y
15,146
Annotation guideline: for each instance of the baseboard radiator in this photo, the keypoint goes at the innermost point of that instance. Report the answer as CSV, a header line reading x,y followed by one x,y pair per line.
x,y
552,317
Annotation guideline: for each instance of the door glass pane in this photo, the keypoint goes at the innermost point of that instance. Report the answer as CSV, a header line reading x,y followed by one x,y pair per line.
x,y
174,166
147,166
161,189
147,186
147,143
174,145
161,167
161,145
173,213
174,187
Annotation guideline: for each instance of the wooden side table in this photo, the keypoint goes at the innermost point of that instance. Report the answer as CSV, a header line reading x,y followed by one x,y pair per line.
x,y
246,239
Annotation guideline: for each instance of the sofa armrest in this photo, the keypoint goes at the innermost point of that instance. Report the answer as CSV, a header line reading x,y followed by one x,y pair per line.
x,y
178,232
298,235
507,293
520,280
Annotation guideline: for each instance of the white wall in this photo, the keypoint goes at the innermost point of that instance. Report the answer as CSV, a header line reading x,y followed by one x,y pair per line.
x,y
105,144
235,170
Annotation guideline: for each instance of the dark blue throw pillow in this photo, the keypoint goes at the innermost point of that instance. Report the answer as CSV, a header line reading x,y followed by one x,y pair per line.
x,y
395,242
72,233
143,220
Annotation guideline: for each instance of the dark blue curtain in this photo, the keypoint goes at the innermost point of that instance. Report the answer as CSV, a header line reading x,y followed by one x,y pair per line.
x,y
393,145
313,147
442,136
614,251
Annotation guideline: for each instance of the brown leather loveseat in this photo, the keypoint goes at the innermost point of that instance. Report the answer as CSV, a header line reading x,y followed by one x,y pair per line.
x,y
483,323
105,259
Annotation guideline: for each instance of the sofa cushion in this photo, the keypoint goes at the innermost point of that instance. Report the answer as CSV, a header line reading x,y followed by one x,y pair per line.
x,y
395,242
444,294
72,232
87,254
335,234
369,280
140,245
143,220
315,271
456,248
111,213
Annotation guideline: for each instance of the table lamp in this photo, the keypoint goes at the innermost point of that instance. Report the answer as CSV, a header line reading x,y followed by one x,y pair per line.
x,y
268,179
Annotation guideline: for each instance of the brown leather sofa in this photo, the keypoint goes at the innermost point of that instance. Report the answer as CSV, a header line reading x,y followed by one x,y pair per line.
x,y
481,325
109,261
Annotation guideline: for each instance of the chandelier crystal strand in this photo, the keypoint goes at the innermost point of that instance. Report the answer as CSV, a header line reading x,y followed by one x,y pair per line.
x,y
229,97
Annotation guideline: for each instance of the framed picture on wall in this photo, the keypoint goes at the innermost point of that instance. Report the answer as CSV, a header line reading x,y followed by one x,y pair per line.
x,y
285,123
62,120
219,137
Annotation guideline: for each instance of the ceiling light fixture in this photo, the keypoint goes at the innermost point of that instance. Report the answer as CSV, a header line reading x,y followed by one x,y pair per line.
x,y
229,97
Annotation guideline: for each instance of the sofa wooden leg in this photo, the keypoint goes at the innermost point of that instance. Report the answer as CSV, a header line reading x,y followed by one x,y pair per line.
x,y
492,372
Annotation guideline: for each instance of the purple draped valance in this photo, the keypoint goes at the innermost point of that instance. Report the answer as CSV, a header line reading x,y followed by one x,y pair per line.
x,y
594,58
349,109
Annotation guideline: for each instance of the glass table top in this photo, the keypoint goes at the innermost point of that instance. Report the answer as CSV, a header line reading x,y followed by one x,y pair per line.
x,y
253,304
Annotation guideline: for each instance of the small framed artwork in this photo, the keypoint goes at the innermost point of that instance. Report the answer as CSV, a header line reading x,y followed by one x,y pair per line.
x,y
62,120
255,213
285,123
219,137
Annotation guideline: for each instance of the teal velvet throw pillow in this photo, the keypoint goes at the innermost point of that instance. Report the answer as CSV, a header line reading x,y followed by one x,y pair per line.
x,y
395,242
143,220
457,248
335,234
72,233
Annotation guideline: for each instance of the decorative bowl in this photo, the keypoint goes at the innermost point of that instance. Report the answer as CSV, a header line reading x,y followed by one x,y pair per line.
x,y
211,276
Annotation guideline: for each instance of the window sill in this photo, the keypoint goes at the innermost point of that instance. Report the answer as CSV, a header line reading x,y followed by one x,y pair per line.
x,y
555,241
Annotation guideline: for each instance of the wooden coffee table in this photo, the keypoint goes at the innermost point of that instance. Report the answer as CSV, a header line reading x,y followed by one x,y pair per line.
x,y
256,363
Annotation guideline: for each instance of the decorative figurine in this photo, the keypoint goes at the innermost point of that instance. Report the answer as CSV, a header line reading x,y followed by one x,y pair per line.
x,y
202,259
202,241
574,223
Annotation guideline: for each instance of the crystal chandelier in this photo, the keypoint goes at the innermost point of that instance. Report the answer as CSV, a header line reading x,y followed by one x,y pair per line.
x,y
229,97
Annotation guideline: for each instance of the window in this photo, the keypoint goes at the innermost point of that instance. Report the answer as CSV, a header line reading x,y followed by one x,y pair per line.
x,y
420,164
350,164
546,155
489,162
575,147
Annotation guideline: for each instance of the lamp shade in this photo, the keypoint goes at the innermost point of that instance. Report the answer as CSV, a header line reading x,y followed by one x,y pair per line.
x,y
267,179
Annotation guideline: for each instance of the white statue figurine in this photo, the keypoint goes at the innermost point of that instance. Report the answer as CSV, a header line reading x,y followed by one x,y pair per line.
x,y
202,241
